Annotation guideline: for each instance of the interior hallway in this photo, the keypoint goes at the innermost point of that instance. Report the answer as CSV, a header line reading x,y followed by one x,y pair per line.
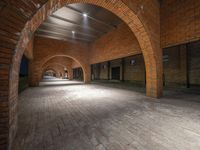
x,y
105,117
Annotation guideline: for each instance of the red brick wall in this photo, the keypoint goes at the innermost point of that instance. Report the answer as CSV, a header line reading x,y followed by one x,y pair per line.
x,y
104,71
118,43
135,72
46,49
132,72
75,64
180,21
149,13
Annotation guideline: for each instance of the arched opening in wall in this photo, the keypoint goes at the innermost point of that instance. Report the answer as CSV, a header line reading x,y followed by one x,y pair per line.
x,y
23,74
57,68
66,74
49,74
132,16
78,74
65,68
120,59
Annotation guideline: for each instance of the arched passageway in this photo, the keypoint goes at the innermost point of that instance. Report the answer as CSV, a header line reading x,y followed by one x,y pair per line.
x,y
49,72
59,70
145,31
59,59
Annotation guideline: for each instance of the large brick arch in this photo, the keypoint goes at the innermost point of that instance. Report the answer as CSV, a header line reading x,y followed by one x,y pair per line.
x,y
42,62
61,61
149,43
125,9
57,67
64,61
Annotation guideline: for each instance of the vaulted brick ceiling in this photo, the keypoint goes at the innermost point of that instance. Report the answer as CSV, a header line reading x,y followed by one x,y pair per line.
x,y
83,22
59,25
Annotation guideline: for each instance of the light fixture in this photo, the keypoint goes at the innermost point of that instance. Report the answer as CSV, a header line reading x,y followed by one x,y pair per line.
x,y
38,5
85,15
73,32
142,7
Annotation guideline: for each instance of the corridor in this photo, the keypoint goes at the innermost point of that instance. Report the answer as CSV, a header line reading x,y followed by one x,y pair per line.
x,y
109,116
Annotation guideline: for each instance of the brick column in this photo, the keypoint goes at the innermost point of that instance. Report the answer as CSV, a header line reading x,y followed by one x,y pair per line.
x,y
123,65
183,65
87,73
70,74
33,74
108,70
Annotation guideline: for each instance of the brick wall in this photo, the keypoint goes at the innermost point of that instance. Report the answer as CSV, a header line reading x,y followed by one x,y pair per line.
x,y
104,71
134,72
75,64
180,21
118,43
175,66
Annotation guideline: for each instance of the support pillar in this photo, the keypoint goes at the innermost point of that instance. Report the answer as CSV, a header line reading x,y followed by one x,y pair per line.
x,y
108,70
87,73
122,66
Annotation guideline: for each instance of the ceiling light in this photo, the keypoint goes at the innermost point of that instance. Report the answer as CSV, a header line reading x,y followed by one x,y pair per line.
x,y
85,15
38,5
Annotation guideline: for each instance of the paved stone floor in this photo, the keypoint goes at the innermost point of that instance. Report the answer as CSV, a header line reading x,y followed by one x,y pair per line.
x,y
74,116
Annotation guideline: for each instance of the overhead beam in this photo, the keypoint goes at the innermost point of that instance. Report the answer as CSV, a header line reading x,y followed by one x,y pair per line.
x,y
92,18
57,38
59,27
63,35
49,36
74,23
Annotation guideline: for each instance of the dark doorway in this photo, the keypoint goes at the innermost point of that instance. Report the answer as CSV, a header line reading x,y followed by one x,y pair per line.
x,y
78,74
193,55
116,73
23,74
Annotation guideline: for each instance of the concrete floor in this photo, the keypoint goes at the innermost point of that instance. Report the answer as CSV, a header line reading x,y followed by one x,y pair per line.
x,y
74,116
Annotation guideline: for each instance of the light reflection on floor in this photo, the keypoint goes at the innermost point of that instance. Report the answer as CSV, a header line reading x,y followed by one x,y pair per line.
x,y
77,116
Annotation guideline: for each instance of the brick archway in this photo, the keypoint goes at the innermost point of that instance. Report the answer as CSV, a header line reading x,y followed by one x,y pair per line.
x,y
48,69
34,80
54,64
148,39
59,68
150,46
